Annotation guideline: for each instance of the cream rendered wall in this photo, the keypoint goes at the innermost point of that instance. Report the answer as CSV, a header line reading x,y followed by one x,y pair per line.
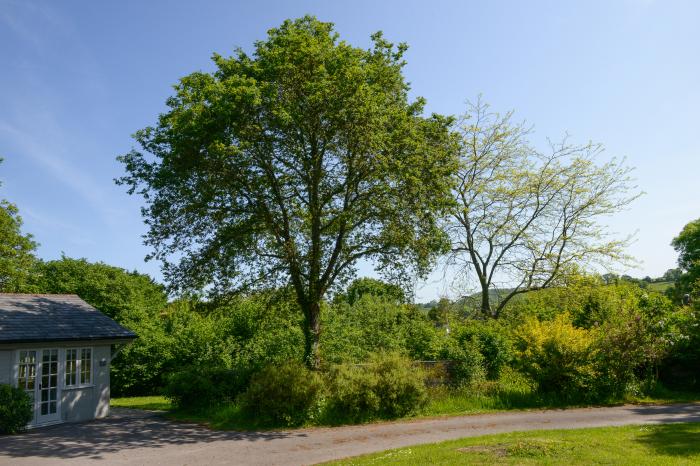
x,y
82,404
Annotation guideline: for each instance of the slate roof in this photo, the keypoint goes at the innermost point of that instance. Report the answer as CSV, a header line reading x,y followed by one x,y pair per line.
x,y
54,317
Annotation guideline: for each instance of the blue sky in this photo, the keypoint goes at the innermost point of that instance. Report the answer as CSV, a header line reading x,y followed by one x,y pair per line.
x,y
78,78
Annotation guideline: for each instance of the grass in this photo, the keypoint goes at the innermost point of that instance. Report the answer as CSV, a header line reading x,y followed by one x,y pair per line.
x,y
514,392
151,403
660,287
667,444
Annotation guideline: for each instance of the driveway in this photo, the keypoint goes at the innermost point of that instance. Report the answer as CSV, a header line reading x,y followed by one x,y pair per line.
x,y
137,437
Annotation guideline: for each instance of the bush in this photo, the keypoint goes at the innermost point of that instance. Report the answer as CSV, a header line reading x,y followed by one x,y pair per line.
x,y
631,345
352,395
558,356
491,342
681,368
466,362
371,325
400,385
389,386
15,409
195,388
283,394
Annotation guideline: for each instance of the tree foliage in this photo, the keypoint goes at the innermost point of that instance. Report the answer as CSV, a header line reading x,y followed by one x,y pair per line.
x,y
687,244
290,165
121,294
524,217
16,250
373,287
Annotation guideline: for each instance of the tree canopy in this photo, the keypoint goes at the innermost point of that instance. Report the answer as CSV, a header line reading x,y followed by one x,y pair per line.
x,y
525,217
119,293
687,244
290,165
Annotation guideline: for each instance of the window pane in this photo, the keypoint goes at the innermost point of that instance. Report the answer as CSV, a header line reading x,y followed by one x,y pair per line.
x,y
27,369
85,366
71,366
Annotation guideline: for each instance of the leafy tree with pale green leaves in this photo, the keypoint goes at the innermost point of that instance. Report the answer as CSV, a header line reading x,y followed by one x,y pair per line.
x,y
524,218
16,250
290,165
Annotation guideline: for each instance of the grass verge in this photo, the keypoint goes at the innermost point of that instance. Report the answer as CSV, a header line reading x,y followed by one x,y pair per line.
x,y
667,444
155,403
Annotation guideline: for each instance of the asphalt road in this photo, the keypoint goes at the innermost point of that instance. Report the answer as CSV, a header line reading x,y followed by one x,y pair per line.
x,y
137,437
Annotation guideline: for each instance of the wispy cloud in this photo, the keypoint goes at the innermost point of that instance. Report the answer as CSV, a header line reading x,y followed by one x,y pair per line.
x,y
30,122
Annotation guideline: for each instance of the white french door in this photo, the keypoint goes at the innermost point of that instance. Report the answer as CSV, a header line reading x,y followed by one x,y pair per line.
x,y
38,376
47,409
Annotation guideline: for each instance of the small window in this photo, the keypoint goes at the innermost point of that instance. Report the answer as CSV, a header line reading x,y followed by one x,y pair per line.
x,y
78,367
85,366
71,367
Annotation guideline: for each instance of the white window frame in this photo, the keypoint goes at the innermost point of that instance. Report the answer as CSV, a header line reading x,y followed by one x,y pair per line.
x,y
78,367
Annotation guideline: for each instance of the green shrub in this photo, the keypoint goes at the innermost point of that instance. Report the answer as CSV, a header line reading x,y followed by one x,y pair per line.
x,y
352,393
369,325
285,394
681,368
400,385
559,357
388,386
491,341
195,387
15,409
466,363
630,346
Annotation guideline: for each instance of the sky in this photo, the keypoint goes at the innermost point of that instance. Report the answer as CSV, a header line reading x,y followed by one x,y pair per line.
x,y
77,79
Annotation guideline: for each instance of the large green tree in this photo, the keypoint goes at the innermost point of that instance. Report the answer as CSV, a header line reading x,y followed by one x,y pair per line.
x,y
290,165
16,249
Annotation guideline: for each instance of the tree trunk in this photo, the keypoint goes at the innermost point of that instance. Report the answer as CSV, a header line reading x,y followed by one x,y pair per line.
x,y
486,302
312,334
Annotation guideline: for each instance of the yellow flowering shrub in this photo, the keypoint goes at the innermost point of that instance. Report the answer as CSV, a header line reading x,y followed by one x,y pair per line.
x,y
558,356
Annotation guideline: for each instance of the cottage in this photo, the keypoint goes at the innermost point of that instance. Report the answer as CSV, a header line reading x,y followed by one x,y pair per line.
x,y
58,349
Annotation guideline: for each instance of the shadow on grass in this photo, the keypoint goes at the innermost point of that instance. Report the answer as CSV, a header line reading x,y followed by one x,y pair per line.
x,y
673,439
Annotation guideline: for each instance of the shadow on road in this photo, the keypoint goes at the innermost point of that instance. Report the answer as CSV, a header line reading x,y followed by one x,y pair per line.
x,y
123,430
687,412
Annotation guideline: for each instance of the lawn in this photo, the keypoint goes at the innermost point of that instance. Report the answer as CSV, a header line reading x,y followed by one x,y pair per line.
x,y
639,445
158,403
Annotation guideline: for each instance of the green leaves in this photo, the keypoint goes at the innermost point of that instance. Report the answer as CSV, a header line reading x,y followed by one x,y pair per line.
x,y
528,218
16,250
292,164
